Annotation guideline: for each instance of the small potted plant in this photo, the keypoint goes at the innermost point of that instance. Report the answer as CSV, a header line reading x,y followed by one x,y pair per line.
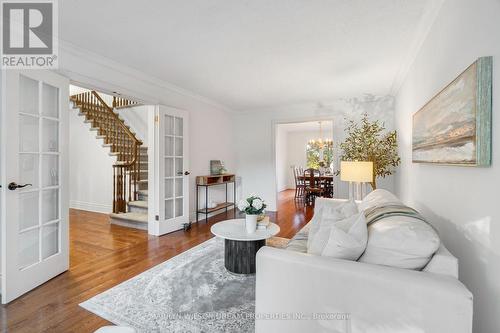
x,y
253,206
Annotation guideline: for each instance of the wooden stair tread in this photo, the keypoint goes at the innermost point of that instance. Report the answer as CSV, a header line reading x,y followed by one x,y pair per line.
x,y
138,203
120,145
116,153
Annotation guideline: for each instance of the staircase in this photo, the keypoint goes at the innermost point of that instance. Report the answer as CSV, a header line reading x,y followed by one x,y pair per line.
x,y
130,170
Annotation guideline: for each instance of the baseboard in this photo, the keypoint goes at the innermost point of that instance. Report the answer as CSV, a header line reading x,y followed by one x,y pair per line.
x,y
91,206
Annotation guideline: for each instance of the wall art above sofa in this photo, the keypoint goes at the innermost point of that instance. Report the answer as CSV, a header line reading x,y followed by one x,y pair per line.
x,y
454,127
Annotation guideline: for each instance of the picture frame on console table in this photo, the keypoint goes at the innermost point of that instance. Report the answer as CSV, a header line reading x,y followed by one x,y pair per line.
x,y
454,127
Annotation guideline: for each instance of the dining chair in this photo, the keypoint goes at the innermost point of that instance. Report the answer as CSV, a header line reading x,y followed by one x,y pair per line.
x,y
299,184
313,185
328,186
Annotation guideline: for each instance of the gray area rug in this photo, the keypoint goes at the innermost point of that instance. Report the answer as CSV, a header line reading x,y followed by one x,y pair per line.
x,y
191,292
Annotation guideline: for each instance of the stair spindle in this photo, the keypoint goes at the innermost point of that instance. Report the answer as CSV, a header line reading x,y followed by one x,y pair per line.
x,y
123,142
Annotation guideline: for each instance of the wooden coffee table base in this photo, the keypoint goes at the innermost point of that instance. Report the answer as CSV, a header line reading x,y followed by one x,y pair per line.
x,y
239,256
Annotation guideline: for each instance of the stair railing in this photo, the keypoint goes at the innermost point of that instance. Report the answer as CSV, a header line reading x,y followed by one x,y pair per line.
x,y
120,102
126,146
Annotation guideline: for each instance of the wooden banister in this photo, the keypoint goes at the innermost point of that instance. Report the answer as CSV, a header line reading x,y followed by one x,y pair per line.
x,y
119,121
126,171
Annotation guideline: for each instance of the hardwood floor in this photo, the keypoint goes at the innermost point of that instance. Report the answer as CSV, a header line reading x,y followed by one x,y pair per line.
x,y
104,255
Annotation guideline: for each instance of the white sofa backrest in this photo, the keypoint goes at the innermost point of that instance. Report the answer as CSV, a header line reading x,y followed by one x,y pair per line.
x,y
443,262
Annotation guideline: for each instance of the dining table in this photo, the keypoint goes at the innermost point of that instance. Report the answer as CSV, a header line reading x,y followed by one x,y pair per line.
x,y
325,179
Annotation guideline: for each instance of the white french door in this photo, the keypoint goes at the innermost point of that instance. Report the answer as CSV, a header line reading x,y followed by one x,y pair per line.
x,y
171,170
34,179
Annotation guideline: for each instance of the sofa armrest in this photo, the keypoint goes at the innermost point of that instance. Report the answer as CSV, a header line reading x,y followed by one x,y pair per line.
x,y
354,297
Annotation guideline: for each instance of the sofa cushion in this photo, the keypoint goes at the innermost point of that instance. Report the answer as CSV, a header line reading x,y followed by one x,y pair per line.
x,y
400,241
377,198
328,213
342,239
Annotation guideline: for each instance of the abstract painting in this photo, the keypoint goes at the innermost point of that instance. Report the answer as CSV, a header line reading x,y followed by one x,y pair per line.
x,y
454,127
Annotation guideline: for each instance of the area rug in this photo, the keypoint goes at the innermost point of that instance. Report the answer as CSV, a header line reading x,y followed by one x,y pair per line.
x,y
192,292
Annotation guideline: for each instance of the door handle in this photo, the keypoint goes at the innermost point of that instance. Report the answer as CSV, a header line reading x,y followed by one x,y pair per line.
x,y
13,186
187,173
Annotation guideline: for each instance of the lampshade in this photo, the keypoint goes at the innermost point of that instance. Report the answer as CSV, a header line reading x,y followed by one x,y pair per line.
x,y
351,171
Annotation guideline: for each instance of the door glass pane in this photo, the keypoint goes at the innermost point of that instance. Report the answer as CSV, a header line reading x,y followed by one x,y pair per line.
x,y
50,205
178,126
178,187
178,146
178,207
169,209
50,135
169,125
28,209
28,97
28,169
28,248
169,188
169,146
28,133
178,167
50,240
169,167
50,101
50,170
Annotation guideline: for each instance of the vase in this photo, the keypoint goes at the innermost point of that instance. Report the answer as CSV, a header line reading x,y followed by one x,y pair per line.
x,y
251,223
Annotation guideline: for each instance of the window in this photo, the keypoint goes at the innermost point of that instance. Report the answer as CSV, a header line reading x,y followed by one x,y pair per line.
x,y
317,152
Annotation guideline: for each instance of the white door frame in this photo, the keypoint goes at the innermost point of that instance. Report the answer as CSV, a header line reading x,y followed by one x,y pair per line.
x,y
277,122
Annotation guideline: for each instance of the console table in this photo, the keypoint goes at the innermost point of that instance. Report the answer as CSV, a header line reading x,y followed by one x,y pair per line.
x,y
215,180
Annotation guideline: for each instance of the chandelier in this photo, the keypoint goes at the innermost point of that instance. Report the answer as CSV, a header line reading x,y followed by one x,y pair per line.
x,y
320,141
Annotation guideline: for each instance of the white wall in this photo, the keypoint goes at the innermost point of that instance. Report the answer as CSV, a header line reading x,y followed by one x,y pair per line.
x,y
211,134
137,118
210,128
254,138
90,168
282,166
462,202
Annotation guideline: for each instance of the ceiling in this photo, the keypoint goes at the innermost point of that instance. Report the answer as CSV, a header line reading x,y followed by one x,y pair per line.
x,y
251,54
307,126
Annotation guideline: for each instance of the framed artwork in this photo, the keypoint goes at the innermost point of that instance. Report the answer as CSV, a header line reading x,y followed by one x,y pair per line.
x,y
216,167
454,127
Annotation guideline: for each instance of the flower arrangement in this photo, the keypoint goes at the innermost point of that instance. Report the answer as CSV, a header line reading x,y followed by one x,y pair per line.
x,y
252,205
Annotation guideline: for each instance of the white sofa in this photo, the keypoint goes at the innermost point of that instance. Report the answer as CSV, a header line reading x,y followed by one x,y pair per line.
x,y
299,292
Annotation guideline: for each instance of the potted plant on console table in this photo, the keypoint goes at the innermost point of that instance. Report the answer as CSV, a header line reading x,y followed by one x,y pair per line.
x,y
253,206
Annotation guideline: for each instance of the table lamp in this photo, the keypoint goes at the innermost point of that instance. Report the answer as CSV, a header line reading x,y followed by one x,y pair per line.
x,y
356,172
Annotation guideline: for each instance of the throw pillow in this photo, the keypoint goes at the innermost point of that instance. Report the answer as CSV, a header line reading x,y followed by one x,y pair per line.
x,y
330,213
342,239
400,241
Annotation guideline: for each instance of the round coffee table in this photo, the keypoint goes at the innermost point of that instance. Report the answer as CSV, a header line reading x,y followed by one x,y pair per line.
x,y
241,247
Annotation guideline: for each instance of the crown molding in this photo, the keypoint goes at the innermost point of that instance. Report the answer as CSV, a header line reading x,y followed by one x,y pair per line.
x,y
135,74
424,26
